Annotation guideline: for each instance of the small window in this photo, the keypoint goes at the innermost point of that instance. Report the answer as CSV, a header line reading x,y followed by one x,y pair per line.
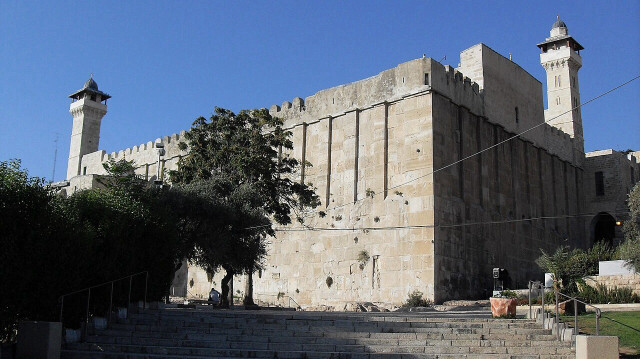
x,y
426,79
559,81
84,171
517,115
599,183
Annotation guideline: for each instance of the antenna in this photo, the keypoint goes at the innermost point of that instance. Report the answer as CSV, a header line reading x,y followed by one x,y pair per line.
x,y
55,158
444,58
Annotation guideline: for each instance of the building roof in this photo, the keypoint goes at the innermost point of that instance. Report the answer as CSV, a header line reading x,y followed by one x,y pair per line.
x,y
576,45
559,23
90,86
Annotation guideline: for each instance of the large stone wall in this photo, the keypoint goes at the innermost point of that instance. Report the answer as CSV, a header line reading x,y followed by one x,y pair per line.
x,y
357,157
500,187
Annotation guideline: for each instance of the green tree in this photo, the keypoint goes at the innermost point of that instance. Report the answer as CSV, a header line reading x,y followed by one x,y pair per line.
x,y
25,225
52,245
241,155
570,266
629,250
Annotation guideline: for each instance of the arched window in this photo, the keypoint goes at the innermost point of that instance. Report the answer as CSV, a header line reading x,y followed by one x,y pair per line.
x,y
603,228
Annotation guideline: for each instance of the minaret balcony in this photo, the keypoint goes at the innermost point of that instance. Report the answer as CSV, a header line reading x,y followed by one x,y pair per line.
x,y
89,103
564,53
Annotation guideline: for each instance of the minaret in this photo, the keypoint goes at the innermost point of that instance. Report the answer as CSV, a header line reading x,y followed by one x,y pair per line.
x,y
561,60
88,106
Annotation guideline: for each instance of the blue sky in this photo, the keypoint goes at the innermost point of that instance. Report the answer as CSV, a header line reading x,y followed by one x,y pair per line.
x,y
167,62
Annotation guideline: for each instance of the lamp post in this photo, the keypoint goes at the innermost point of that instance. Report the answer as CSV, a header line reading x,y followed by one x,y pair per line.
x,y
161,152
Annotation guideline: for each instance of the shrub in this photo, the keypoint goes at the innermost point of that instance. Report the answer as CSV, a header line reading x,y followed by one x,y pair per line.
x,y
525,300
569,266
603,295
508,294
363,258
415,299
329,281
629,250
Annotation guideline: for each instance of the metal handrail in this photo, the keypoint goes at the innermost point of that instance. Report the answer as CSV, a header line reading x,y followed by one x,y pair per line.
x,y
130,277
281,296
575,312
293,300
536,284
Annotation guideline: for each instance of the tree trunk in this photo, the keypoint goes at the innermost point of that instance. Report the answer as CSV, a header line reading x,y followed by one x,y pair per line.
x,y
231,289
225,288
248,291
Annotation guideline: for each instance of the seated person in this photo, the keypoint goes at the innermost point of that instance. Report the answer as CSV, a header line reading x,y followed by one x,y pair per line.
x,y
214,296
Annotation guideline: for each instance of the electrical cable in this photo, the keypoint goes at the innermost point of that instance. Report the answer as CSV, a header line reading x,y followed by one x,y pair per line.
x,y
475,154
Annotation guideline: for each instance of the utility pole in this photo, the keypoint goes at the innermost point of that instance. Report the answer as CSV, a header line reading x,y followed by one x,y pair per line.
x,y
55,158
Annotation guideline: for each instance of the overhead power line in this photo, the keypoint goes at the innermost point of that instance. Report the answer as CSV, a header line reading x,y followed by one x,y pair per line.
x,y
452,225
519,134
459,161
499,143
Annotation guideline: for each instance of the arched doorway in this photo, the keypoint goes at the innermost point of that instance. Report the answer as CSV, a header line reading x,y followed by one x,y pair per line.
x,y
603,228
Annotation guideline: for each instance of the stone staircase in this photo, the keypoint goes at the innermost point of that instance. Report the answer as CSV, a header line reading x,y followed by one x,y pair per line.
x,y
189,333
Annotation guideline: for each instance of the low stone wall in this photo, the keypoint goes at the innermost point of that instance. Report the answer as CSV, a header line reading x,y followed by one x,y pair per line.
x,y
620,280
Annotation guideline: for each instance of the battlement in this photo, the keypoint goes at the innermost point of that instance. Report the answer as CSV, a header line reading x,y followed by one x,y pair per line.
x,y
166,141
452,83
144,156
559,143
406,79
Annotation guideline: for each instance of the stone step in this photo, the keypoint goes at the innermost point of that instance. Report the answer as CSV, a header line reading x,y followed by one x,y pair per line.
x,y
264,336
212,329
66,354
194,334
282,343
269,319
279,319
258,322
314,349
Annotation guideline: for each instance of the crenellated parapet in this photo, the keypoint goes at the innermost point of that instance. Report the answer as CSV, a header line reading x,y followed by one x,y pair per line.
x,y
460,89
406,79
145,156
561,144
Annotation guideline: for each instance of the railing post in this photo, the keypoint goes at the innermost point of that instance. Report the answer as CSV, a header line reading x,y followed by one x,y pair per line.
x,y
129,297
575,315
146,280
530,315
557,314
597,321
543,313
61,307
110,305
86,326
